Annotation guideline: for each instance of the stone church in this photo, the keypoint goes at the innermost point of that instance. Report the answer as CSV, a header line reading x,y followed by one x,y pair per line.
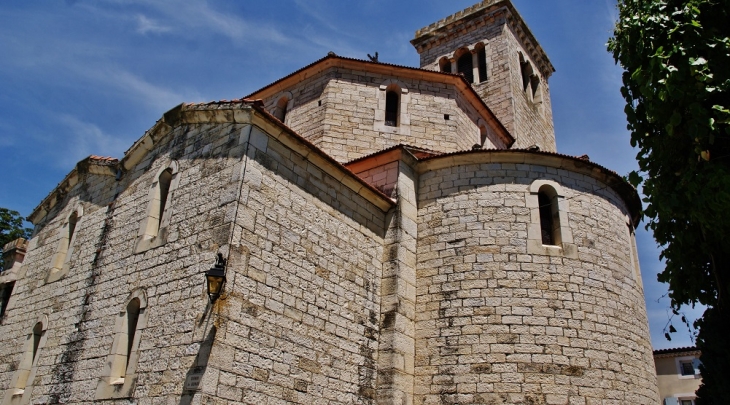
x,y
388,235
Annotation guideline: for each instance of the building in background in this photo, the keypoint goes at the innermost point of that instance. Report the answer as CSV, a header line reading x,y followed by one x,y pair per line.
x,y
678,374
388,234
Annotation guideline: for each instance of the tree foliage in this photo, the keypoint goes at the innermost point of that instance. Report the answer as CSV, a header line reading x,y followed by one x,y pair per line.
x,y
676,57
11,228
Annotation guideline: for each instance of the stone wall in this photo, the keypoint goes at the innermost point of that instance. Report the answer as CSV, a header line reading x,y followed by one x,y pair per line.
x,y
301,322
350,105
304,273
499,324
529,122
533,114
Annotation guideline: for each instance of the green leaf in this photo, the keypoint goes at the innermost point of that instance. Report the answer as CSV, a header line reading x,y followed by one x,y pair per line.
x,y
635,179
676,119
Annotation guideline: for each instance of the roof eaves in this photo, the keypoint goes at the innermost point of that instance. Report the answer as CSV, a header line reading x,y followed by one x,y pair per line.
x,y
615,181
458,80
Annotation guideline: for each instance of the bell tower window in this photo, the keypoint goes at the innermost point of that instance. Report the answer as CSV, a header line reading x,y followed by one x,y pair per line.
x,y
482,63
445,65
465,66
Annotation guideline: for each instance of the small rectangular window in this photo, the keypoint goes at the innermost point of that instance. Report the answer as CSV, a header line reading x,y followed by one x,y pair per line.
x,y
446,117
687,369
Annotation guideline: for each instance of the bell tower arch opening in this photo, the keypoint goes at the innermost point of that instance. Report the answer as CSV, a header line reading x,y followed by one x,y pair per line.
x,y
491,45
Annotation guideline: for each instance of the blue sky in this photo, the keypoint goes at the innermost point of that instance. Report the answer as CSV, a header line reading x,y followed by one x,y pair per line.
x,y
81,77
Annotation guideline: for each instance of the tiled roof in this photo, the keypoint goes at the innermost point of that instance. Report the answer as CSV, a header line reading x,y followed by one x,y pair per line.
x,y
676,350
501,129
332,55
103,160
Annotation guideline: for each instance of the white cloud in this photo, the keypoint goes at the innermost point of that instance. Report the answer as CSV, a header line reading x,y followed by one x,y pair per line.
x,y
324,21
82,139
195,17
146,25
132,86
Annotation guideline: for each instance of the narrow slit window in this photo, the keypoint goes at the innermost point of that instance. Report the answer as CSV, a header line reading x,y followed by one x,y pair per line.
x,y
164,184
464,64
61,260
30,358
132,318
549,216
120,373
153,229
546,219
72,220
123,356
37,333
392,99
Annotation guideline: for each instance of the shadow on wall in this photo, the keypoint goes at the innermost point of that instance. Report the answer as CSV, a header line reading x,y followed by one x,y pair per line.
x,y
194,376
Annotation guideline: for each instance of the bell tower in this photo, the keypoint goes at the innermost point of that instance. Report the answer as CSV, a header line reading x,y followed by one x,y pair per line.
x,y
490,44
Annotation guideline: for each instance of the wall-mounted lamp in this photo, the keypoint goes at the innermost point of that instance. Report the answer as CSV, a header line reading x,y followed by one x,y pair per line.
x,y
216,278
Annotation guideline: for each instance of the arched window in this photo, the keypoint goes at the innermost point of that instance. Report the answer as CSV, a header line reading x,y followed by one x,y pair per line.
x,y
30,357
526,71
549,215
530,80
25,374
118,377
445,65
465,66
153,231
60,262
127,340
482,61
392,101
536,91
63,245
281,108
549,231
391,114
